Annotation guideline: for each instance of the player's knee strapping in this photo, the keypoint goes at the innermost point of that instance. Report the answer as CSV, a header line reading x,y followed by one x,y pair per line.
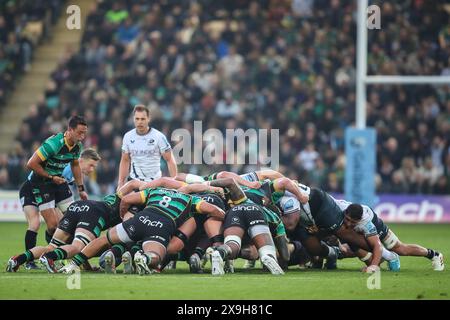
x,y
257,230
57,243
82,237
108,237
183,237
233,241
217,239
118,250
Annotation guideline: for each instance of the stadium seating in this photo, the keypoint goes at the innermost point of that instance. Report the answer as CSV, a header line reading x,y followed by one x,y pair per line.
x,y
277,64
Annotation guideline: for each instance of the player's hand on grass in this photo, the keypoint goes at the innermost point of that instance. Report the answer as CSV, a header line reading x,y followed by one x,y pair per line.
x,y
371,269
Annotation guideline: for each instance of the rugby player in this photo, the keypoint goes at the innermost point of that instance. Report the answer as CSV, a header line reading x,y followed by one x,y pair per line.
x,y
142,149
154,226
112,258
88,162
83,222
363,219
45,188
246,216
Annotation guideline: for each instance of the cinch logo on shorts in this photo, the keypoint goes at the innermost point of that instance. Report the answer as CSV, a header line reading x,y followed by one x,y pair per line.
x,y
77,208
245,208
147,221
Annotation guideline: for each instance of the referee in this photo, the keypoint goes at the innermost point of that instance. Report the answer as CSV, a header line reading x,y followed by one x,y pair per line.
x,y
142,148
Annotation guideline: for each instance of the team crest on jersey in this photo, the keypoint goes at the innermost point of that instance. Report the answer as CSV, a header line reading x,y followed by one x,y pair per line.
x,y
151,141
65,223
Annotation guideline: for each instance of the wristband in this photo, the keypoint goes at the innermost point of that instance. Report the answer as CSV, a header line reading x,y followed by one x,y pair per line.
x,y
80,188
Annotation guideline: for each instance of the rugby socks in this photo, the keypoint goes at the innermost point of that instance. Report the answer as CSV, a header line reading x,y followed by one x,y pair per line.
x,y
200,251
79,259
25,257
30,239
48,237
225,251
431,253
118,250
135,248
57,254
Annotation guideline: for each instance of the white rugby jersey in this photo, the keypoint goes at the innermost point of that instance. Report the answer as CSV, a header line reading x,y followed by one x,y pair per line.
x,y
365,226
145,153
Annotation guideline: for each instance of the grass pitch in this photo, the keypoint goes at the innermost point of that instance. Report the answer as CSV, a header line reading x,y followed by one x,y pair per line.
x,y
416,280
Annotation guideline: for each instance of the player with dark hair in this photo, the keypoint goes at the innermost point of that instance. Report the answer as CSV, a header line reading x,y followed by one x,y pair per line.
x,y
364,220
46,187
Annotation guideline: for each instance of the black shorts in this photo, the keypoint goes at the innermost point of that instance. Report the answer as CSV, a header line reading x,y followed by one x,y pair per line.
x,y
300,233
244,216
212,198
147,225
327,215
43,196
86,214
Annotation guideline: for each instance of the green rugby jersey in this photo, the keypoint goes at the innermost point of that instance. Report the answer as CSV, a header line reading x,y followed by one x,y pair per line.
x,y
113,201
276,226
267,190
175,205
272,219
56,155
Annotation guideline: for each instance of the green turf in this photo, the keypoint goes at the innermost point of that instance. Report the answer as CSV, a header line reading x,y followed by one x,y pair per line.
x,y
415,281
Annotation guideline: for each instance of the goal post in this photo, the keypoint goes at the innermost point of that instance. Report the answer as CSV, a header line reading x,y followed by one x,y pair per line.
x,y
357,164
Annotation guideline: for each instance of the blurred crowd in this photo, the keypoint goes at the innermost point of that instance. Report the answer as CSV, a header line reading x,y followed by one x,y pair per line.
x,y
287,65
24,24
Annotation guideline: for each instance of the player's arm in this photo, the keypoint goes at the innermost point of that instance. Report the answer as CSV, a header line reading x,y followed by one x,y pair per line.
x,y
269,174
200,187
35,164
237,195
171,164
281,243
286,184
124,168
204,207
189,178
78,176
375,245
130,199
239,180
129,187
